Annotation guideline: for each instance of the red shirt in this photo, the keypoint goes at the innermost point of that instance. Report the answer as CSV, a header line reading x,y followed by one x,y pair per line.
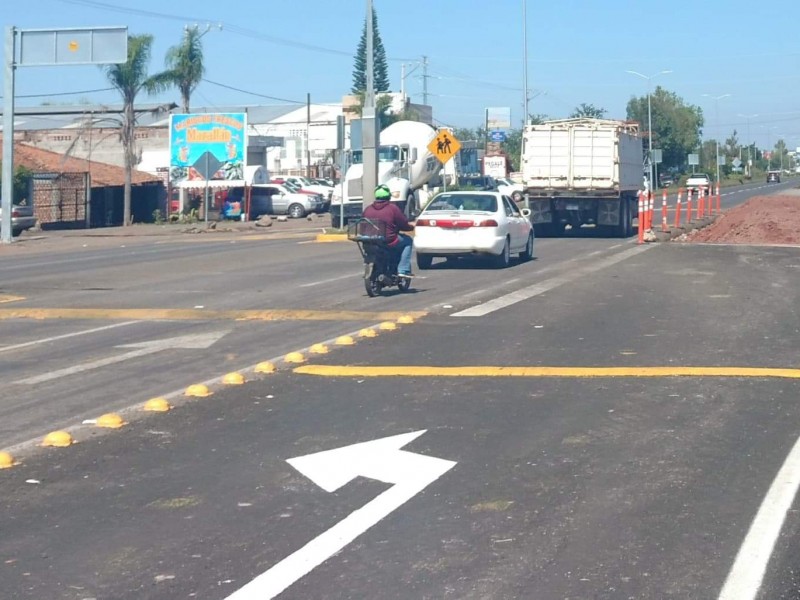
x,y
393,217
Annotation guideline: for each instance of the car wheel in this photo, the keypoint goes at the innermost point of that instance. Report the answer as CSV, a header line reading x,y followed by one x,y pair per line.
x,y
424,261
16,232
504,259
527,254
296,211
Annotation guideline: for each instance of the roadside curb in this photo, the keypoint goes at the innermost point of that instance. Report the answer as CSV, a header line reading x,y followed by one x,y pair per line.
x,y
676,232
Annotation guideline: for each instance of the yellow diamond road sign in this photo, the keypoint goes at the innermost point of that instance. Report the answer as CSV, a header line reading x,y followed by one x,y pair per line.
x,y
444,146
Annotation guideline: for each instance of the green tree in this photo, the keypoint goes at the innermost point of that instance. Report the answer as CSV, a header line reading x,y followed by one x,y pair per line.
x,y
537,119
589,111
676,125
380,70
383,109
513,148
130,78
21,178
185,65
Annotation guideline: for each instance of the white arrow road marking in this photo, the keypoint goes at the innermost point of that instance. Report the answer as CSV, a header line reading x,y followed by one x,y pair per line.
x,y
197,341
380,459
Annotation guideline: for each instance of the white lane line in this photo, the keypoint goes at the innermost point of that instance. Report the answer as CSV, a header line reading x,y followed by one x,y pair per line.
x,y
545,286
747,572
67,335
331,280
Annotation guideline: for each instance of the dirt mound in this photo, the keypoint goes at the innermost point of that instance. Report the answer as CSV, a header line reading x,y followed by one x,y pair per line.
x,y
760,220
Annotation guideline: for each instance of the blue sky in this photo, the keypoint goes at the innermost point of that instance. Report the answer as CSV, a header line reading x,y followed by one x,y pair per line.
x,y
578,51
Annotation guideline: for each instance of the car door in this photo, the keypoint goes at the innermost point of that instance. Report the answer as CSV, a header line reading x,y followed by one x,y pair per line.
x,y
278,199
516,224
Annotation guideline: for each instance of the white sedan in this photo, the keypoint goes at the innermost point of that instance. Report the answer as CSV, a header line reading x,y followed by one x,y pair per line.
x,y
473,224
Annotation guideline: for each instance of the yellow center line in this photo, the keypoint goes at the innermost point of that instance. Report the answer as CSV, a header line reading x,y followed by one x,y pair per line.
x,y
484,371
181,314
9,298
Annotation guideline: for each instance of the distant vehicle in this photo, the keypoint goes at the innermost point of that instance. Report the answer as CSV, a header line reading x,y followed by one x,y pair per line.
x,y
295,188
698,181
773,177
274,199
510,188
580,172
666,180
21,218
478,182
472,224
307,184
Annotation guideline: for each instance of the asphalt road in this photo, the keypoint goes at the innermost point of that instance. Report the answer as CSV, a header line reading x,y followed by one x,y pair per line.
x,y
576,483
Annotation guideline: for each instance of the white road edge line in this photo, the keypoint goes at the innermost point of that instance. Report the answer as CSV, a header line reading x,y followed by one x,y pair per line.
x,y
331,280
746,574
536,289
66,335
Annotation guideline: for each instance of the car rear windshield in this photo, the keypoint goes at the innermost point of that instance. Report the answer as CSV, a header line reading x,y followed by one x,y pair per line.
x,y
473,202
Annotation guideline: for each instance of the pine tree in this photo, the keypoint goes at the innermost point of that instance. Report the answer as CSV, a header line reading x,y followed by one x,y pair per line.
x,y
380,67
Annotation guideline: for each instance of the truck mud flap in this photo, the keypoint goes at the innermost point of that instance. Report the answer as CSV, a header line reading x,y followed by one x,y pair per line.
x,y
608,212
540,211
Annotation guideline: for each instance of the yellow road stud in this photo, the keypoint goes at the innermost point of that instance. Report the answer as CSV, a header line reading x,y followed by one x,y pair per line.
x,y
233,379
345,340
58,439
110,421
387,326
198,390
6,460
157,405
405,319
265,367
295,357
368,333
319,349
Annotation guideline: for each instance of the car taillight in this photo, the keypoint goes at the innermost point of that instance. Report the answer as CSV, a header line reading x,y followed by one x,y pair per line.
x,y
425,223
487,223
15,214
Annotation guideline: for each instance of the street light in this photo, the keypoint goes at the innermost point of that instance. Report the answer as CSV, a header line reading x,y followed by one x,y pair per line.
x,y
716,100
649,123
749,145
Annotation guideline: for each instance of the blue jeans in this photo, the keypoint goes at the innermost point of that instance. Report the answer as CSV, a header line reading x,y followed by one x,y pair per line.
x,y
403,246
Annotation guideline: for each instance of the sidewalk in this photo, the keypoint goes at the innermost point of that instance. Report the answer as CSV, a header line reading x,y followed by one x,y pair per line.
x,y
142,233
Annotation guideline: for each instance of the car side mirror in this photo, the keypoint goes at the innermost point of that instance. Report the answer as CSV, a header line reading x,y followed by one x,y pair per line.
x,y
526,212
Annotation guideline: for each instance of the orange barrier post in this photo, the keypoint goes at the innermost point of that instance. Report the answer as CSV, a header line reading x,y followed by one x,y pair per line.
x,y
678,209
641,218
650,210
689,206
701,203
664,211
719,200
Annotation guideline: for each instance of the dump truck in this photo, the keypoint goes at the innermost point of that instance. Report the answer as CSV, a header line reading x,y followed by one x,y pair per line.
x,y
582,172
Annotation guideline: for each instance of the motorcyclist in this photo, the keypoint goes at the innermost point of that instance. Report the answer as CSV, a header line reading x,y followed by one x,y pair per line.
x,y
385,211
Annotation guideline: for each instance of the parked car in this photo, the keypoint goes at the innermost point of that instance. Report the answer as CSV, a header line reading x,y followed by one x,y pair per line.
x,y
306,184
478,182
773,177
274,199
466,223
296,188
510,188
21,218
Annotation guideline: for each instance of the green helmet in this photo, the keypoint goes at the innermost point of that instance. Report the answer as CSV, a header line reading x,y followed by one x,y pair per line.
x,y
382,193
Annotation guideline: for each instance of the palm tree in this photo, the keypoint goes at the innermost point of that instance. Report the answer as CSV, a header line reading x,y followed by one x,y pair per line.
x,y
130,78
184,62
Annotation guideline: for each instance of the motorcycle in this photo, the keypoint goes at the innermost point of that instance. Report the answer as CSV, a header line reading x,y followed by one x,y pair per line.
x,y
380,261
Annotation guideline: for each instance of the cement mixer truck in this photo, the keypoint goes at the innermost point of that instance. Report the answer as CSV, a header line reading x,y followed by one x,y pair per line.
x,y
405,165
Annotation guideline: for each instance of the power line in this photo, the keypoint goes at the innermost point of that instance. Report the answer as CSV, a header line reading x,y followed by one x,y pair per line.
x,y
236,29
63,93
235,89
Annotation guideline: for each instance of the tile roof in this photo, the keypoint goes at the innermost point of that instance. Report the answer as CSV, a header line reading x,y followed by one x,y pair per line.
x,y
103,174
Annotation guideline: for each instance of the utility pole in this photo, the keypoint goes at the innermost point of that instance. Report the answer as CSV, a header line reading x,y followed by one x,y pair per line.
x,y
524,63
308,134
369,124
425,80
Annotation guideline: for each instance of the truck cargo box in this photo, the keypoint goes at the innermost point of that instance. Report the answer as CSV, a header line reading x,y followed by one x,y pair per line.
x,y
582,157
